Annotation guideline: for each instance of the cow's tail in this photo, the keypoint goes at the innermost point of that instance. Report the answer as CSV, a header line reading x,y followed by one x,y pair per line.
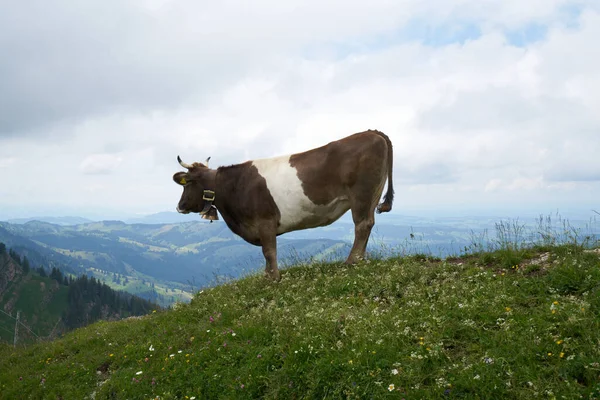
x,y
388,199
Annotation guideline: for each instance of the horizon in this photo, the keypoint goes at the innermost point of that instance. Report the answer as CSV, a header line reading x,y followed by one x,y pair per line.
x,y
574,213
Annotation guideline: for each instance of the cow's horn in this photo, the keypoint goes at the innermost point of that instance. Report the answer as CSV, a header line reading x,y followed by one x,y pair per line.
x,y
184,165
207,160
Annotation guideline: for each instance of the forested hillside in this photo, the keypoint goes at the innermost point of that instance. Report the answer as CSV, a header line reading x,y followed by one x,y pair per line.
x,y
49,303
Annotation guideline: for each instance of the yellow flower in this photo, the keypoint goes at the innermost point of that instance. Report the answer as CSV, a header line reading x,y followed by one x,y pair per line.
x,y
507,309
561,355
555,302
550,354
553,311
111,355
391,387
559,342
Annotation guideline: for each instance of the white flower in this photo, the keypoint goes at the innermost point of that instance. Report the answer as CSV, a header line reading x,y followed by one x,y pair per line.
x,y
394,371
476,377
233,334
138,373
179,352
391,387
171,355
151,348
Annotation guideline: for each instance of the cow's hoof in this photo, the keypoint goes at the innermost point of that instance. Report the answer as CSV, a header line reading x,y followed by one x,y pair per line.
x,y
274,276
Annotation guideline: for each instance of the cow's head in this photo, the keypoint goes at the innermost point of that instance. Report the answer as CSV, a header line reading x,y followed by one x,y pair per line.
x,y
198,193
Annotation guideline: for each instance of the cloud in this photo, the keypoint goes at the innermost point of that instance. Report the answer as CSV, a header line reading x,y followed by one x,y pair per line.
x,y
100,164
482,99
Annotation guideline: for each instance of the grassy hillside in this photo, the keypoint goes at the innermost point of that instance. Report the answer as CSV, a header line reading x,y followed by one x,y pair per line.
x,y
513,323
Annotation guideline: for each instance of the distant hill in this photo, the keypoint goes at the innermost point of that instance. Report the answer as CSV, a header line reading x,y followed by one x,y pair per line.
x,y
64,221
165,262
150,260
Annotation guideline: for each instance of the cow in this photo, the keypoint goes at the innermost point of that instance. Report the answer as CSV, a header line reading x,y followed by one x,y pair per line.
x,y
264,198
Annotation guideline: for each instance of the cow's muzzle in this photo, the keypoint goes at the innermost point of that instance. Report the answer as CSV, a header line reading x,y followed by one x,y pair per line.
x,y
181,211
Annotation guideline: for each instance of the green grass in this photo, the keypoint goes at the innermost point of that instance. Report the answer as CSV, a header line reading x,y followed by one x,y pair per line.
x,y
513,323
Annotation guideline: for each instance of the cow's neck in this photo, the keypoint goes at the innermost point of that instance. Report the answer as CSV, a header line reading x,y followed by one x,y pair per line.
x,y
209,179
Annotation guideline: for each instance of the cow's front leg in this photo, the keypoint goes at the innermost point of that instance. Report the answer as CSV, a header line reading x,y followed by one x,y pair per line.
x,y
269,249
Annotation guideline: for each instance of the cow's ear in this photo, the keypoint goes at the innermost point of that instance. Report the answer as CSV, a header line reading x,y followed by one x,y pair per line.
x,y
181,178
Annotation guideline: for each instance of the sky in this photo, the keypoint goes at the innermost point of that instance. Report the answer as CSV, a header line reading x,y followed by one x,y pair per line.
x,y
489,104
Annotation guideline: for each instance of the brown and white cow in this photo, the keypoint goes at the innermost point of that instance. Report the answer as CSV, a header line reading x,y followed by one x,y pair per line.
x,y
262,199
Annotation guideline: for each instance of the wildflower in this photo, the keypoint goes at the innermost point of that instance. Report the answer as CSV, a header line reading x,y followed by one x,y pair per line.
x,y
179,352
507,309
391,387
233,334
550,354
259,356
394,371
559,341
151,348
476,377
110,355
561,355
138,373
172,355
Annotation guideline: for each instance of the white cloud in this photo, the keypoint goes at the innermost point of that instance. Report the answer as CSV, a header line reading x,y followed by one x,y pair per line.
x,y
133,85
100,164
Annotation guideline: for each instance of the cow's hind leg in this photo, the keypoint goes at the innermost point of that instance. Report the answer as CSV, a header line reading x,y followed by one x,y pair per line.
x,y
269,249
364,218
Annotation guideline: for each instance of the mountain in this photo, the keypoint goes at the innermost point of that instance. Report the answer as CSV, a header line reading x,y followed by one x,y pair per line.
x,y
166,262
64,221
171,259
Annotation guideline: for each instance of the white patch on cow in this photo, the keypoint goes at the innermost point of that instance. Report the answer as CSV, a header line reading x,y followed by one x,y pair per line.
x,y
296,209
